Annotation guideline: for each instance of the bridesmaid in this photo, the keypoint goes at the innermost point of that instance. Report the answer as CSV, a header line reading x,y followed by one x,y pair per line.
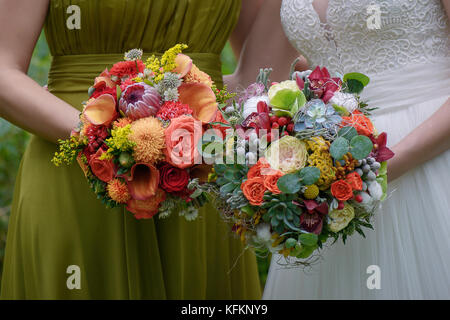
x,y
58,229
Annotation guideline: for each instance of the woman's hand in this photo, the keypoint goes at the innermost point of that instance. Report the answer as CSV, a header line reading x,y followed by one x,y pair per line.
x,y
22,101
423,144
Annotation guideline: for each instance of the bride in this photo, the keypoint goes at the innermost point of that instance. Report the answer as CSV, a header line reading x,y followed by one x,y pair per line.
x,y
404,47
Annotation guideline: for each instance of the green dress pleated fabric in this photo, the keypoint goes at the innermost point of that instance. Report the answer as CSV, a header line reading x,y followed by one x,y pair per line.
x,y
57,221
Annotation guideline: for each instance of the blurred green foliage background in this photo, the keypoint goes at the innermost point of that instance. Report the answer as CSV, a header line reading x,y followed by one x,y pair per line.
x,y
13,141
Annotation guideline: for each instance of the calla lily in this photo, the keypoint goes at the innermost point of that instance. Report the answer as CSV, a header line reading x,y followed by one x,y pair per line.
x,y
143,181
104,78
148,208
101,111
184,65
201,99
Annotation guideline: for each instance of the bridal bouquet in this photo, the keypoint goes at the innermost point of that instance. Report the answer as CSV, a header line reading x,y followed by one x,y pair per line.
x,y
301,162
136,141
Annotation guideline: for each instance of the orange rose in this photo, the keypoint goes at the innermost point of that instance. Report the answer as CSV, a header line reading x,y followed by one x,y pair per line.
x,y
102,169
182,137
360,122
253,190
148,208
257,170
341,190
271,179
354,179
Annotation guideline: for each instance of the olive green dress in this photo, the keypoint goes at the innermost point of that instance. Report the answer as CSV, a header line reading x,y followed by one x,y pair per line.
x,y
56,219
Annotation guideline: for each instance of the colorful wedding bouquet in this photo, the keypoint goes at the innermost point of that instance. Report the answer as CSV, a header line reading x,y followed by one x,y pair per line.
x,y
301,163
138,134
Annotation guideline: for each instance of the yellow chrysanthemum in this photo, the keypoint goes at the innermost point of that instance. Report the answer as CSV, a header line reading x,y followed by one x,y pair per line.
x,y
148,136
311,192
118,191
320,157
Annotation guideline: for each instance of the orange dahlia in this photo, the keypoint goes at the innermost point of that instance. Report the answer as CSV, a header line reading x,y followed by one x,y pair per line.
x,y
122,122
118,191
148,135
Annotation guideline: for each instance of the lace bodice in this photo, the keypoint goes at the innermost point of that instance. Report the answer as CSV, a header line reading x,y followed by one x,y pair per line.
x,y
409,31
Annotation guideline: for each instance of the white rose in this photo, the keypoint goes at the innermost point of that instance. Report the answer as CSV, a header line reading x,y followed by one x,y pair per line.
x,y
251,105
375,190
263,232
346,100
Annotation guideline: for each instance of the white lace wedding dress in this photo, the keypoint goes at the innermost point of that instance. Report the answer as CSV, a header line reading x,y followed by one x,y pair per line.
x,y
408,61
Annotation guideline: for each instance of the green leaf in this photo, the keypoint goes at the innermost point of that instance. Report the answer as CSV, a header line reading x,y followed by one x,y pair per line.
x,y
309,175
289,183
339,148
360,147
383,169
197,193
355,86
341,110
348,133
285,99
290,243
306,252
227,188
119,92
220,169
308,239
248,210
357,76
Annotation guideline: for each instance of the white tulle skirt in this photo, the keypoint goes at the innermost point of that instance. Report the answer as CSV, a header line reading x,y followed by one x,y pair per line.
x,y
411,240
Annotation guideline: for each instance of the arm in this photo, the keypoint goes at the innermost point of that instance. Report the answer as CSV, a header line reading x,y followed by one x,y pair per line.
x,y
22,101
425,142
264,44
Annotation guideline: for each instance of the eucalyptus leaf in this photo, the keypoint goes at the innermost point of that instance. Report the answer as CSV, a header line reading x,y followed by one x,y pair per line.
x,y
289,183
309,175
339,148
360,147
348,133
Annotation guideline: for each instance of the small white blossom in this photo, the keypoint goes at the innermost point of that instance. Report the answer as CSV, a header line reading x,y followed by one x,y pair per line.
x,y
345,100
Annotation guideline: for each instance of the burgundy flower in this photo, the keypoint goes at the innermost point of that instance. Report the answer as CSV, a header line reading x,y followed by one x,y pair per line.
x,y
322,84
380,151
311,220
259,120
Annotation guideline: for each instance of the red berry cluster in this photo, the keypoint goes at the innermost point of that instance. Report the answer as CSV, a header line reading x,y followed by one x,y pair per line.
x,y
96,136
280,122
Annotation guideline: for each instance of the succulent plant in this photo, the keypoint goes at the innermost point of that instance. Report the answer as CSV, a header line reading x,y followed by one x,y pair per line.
x,y
317,115
282,214
229,182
